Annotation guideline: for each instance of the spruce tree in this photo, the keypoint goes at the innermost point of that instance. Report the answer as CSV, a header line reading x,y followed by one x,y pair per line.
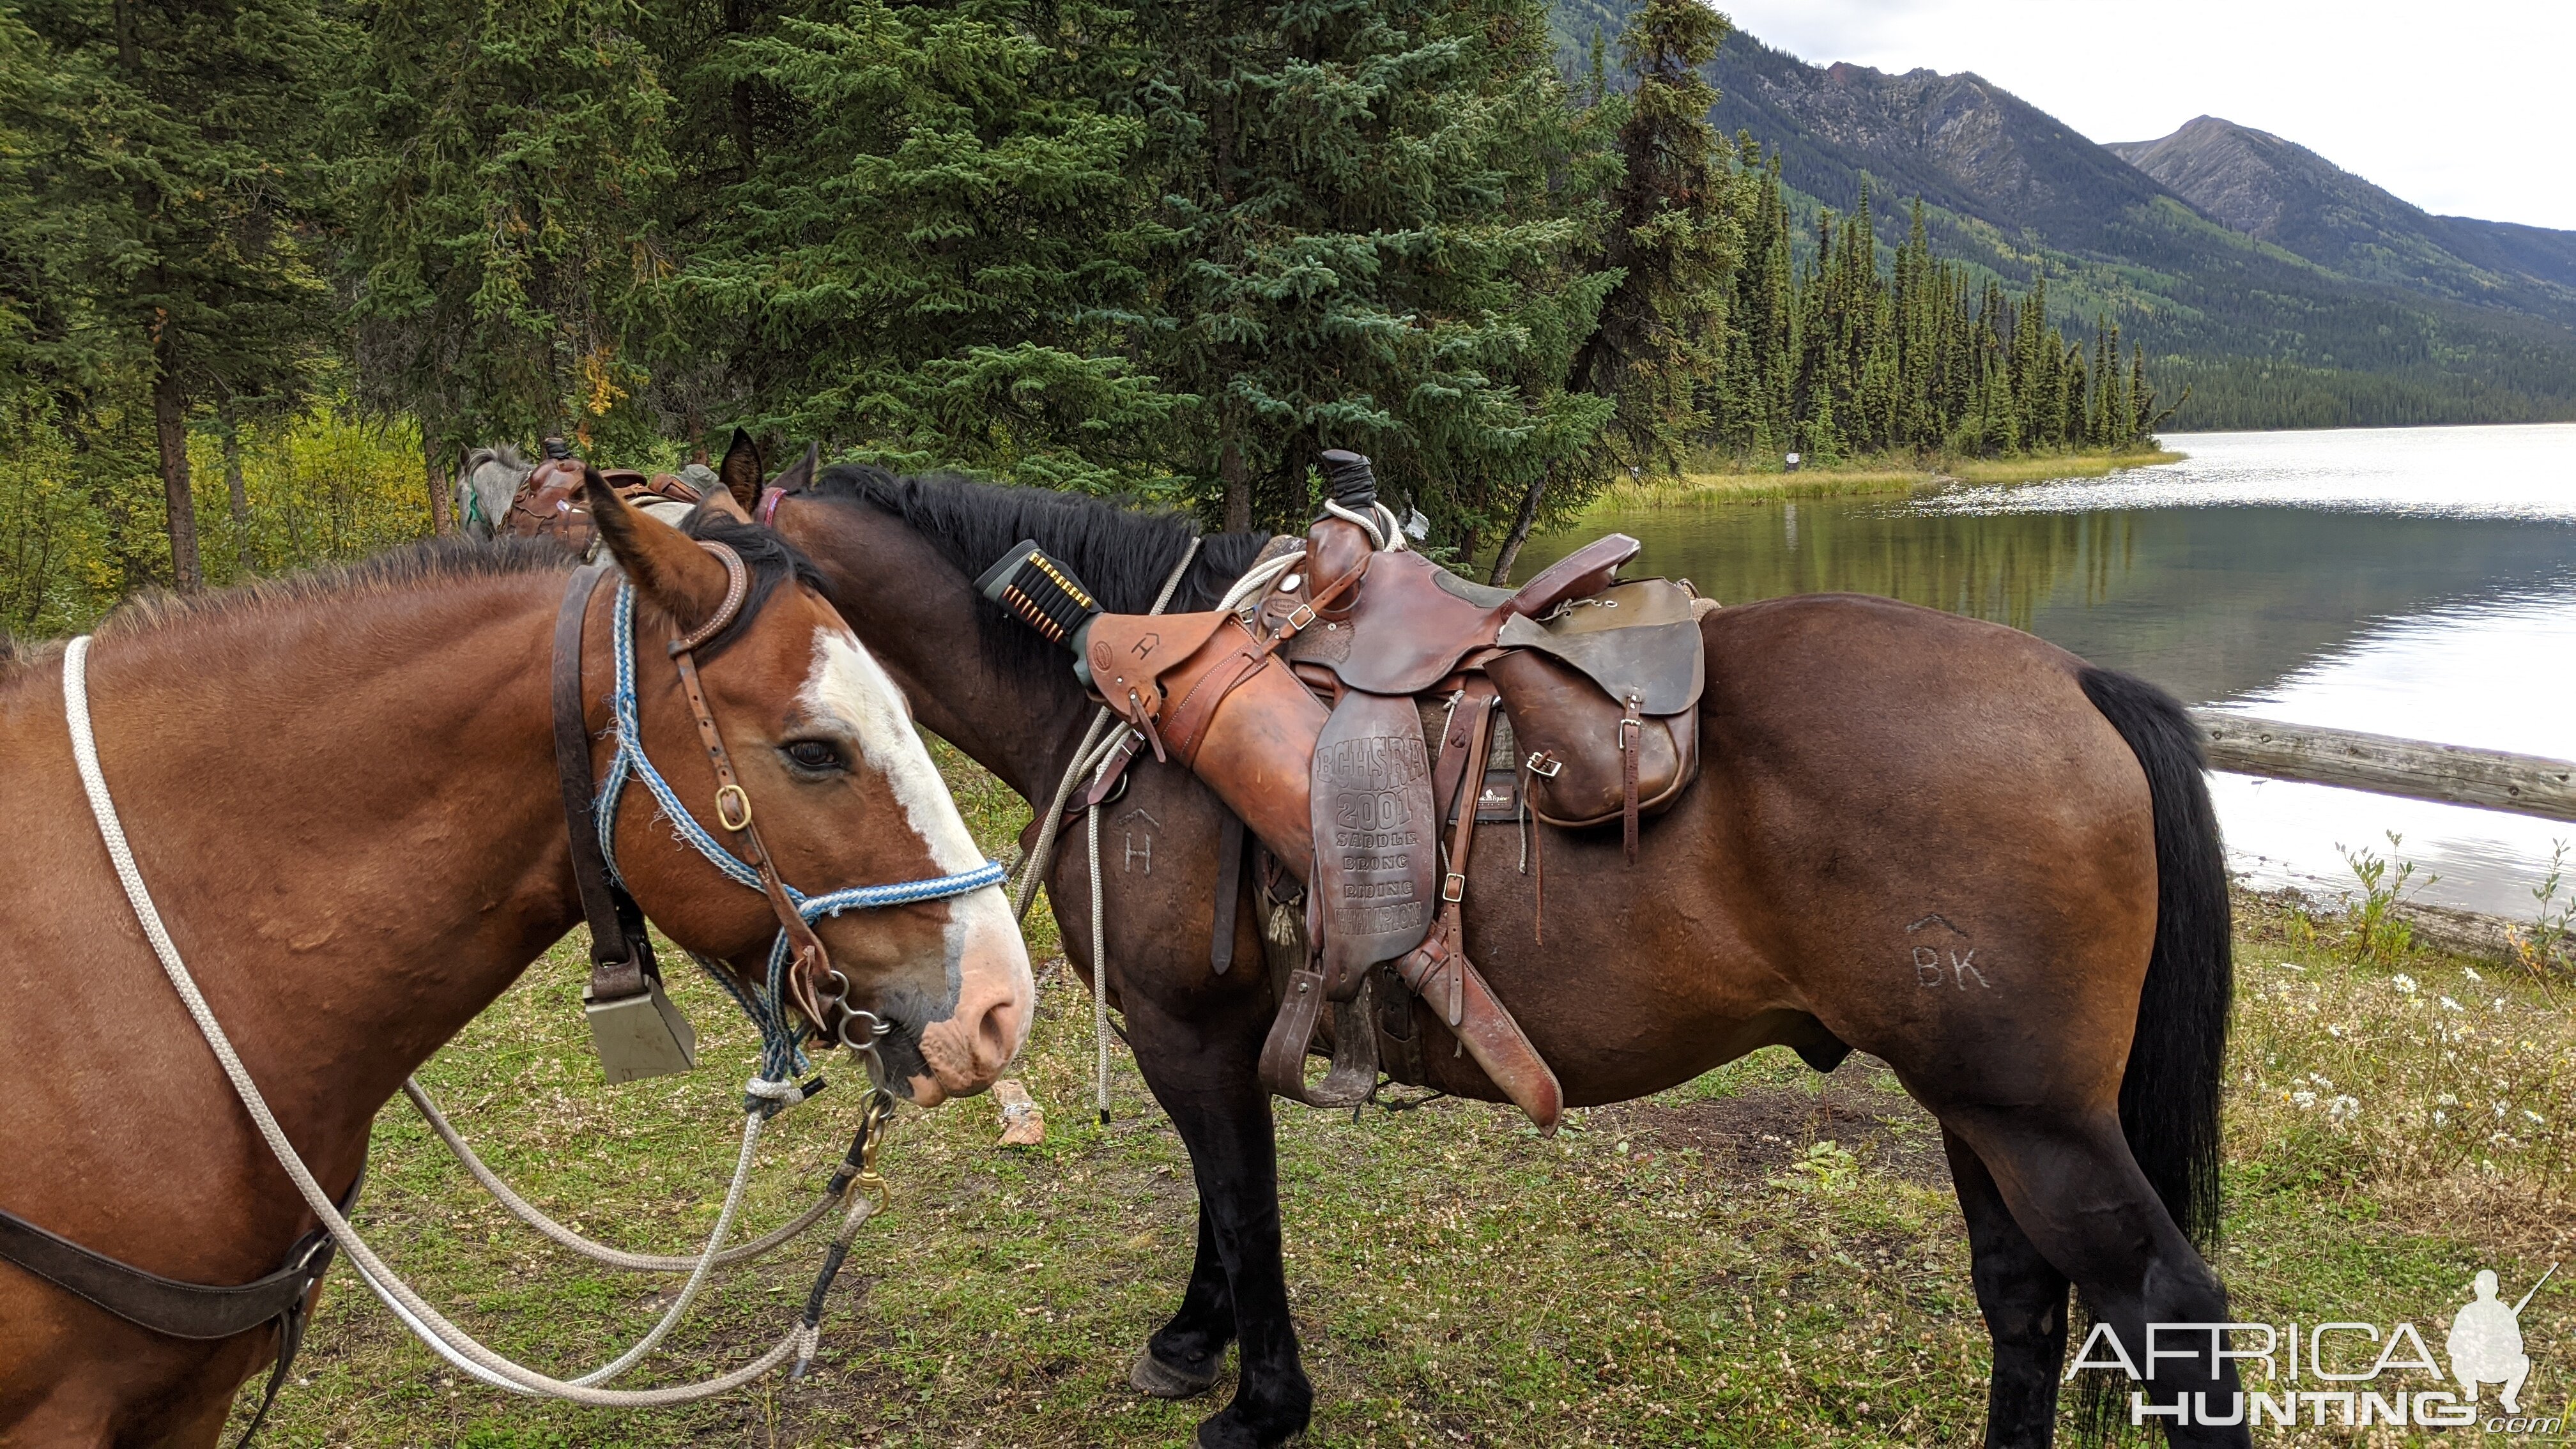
x,y
184,140
1373,217
501,165
922,234
1673,237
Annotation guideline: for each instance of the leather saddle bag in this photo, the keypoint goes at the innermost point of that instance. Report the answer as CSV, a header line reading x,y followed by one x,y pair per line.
x,y
1603,699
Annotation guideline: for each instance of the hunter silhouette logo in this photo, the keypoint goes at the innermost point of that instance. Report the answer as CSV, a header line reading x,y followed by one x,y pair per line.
x,y
2486,1343
2358,1368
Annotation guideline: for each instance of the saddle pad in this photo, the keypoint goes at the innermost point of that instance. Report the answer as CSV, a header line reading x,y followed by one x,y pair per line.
x,y
1638,638
1376,839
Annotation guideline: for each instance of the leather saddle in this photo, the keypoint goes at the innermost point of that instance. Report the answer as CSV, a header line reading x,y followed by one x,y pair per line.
x,y
548,503
1311,713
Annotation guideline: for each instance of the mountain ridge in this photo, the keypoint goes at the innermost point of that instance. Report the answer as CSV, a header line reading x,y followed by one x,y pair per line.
x,y
2279,191
2266,335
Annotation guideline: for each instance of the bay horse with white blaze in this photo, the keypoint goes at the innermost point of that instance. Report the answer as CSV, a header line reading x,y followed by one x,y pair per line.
x,y
1883,786
343,791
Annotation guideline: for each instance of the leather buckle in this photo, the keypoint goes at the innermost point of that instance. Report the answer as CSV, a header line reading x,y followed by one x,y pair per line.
x,y
1543,764
1628,732
1298,618
1453,887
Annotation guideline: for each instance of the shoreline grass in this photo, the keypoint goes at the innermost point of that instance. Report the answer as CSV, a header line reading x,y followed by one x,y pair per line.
x,y
1760,1257
1865,476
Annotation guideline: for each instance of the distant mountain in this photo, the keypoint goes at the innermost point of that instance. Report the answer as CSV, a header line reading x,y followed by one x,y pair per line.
x,y
2397,317
2546,254
1960,142
2283,193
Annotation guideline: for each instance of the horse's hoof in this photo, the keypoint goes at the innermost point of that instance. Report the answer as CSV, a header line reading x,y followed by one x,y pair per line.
x,y
1215,1434
1236,1427
1151,1375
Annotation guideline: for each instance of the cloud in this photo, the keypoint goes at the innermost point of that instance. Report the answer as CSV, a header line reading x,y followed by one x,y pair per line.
x,y
2459,108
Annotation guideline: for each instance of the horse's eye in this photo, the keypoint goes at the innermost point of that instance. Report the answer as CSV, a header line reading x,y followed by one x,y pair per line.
x,y
817,756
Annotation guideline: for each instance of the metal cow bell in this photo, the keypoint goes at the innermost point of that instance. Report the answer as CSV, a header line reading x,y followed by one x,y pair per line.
x,y
640,1036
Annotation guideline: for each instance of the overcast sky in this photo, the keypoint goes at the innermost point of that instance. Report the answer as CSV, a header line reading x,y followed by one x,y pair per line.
x,y
2465,107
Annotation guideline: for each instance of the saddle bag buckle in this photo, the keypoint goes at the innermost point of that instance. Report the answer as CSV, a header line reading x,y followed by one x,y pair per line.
x,y
1543,764
1453,887
1631,727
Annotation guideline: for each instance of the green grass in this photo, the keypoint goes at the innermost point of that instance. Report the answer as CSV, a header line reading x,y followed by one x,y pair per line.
x,y
1760,1257
1864,475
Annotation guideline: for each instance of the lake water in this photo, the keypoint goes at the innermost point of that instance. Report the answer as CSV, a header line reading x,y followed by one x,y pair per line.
x,y
2407,581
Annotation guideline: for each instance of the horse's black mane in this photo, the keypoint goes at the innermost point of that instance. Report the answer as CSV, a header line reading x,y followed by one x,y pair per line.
x,y
1124,552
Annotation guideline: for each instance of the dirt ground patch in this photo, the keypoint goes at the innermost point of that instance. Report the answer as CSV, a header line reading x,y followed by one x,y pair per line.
x,y
1754,1134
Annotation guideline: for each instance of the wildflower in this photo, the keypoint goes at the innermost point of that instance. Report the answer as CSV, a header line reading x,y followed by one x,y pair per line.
x,y
2536,1119
2404,983
2447,1100
2449,1005
2499,1111
2472,973
2441,1118
2320,1080
2304,1099
2335,1032
2342,1108
2499,1003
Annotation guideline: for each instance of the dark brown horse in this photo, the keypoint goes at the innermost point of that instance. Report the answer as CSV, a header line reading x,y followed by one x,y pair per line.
x,y
342,791
1939,841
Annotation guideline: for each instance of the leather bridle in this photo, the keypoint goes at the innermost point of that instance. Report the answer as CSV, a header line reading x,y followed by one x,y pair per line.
x,y
621,954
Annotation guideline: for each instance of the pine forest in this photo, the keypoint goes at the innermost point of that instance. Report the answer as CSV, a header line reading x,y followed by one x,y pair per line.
x,y
268,268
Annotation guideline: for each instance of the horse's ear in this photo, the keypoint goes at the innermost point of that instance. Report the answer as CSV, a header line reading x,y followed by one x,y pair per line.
x,y
666,566
801,476
741,470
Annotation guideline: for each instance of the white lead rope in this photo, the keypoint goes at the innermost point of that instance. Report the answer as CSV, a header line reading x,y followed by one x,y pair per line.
x,y
535,1217
1090,758
451,1343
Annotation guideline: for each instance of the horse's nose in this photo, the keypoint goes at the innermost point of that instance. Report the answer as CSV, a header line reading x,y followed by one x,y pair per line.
x,y
995,997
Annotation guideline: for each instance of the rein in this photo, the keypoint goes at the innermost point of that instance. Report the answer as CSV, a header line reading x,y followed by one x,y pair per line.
x,y
621,961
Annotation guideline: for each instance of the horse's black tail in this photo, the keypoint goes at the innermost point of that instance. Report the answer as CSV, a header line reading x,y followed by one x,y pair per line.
x,y
2169,1100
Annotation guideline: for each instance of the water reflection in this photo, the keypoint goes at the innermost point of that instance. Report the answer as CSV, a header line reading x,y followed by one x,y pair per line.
x,y
2491,672
2522,472
2419,582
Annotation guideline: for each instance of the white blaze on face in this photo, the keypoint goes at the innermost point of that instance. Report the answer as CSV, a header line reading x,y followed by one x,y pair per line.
x,y
988,964
848,685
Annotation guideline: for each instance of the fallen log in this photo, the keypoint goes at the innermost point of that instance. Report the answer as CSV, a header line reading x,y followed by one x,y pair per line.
x,y
2387,765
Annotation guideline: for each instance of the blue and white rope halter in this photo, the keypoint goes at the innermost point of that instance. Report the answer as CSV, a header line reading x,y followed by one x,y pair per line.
x,y
781,1045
